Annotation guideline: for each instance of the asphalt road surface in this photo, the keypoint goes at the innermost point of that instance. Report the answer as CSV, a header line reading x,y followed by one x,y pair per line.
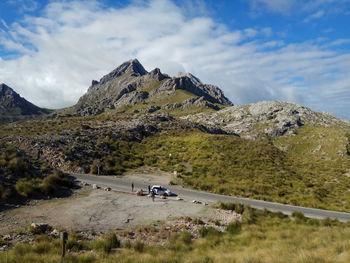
x,y
123,184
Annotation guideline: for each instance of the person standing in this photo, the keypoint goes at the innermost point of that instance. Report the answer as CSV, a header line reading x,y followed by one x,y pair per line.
x,y
149,189
132,187
152,195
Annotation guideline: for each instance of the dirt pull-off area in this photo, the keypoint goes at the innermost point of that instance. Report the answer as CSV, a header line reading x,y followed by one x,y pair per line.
x,y
100,211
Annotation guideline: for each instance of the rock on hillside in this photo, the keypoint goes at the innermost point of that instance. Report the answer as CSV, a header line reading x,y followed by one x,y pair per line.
x,y
272,118
14,107
130,84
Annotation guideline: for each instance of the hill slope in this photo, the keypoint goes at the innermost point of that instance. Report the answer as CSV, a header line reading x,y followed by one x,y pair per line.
x,y
276,151
269,118
13,107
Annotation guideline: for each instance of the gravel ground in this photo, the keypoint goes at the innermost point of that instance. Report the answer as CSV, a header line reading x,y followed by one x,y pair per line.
x,y
100,211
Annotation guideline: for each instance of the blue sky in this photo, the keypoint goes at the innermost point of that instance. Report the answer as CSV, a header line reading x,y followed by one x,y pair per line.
x,y
254,50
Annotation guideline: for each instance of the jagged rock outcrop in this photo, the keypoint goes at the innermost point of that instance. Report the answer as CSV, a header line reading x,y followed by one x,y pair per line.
x,y
196,101
13,107
188,82
130,84
272,118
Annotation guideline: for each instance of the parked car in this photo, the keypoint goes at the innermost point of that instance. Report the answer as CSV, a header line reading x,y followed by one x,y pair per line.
x,y
160,190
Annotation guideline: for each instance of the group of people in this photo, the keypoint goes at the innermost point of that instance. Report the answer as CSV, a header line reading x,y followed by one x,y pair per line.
x,y
149,191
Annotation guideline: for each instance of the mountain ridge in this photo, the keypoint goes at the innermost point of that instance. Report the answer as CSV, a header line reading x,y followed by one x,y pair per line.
x,y
130,84
271,118
13,107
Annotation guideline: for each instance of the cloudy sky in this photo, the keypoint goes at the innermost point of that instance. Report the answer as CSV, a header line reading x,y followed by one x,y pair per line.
x,y
292,50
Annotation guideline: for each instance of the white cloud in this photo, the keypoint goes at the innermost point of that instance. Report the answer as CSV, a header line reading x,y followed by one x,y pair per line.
x,y
278,6
314,16
24,5
73,43
311,9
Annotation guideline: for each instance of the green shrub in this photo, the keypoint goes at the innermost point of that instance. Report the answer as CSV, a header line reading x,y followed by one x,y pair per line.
x,y
197,221
112,240
234,227
299,216
127,244
313,222
226,206
2,242
5,193
18,165
52,183
106,244
139,246
34,230
42,247
248,216
330,222
208,231
186,237
28,187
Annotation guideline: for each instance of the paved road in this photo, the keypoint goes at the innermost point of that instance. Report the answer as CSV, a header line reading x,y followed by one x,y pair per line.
x,y
124,184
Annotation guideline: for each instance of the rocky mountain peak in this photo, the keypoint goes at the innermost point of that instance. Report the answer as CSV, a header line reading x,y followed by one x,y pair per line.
x,y
132,67
130,84
4,89
14,107
193,78
157,74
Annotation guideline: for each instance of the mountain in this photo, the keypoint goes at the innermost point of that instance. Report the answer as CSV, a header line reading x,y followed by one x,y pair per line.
x,y
131,118
131,87
269,118
13,107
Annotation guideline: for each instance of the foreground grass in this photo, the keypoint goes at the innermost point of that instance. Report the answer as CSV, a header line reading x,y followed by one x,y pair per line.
x,y
262,237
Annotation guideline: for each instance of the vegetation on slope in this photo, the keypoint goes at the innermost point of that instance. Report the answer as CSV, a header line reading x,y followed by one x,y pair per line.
x,y
230,165
310,168
269,237
22,178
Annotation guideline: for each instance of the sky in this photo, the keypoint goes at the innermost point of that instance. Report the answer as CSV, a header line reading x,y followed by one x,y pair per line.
x,y
254,50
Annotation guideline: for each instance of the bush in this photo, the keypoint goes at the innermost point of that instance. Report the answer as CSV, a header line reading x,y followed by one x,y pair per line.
x,y
52,183
127,244
330,222
107,243
249,216
197,221
226,206
28,187
5,193
2,242
313,222
208,231
112,240
186,237
139,246
234,227
237,207
299,216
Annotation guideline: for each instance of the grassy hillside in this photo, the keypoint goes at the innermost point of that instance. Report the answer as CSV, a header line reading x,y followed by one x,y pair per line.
x,y
234,166
22,178
310,168
262,237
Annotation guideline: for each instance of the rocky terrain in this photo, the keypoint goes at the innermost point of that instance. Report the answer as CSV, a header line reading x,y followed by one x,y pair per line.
x,y
130,84
13,107
271,118
132,118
